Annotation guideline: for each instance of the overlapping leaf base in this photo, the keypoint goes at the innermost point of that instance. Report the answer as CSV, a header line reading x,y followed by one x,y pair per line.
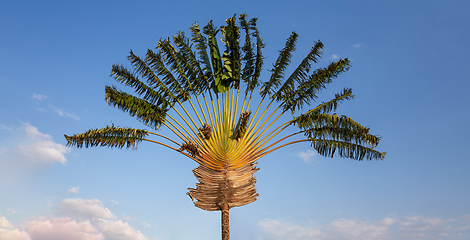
x,y
218,190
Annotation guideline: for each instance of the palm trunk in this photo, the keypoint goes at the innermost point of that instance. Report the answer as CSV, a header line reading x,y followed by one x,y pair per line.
x,y
225,224
221,190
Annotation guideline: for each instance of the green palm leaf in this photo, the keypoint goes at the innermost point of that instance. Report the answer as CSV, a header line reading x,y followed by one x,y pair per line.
x,y
201,47
328,107
191,65
299,76
331,148
259,56
308,90
217,67
169,83
109,136
277,73
122,75
148,113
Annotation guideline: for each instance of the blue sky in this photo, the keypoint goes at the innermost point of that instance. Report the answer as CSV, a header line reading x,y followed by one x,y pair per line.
x,y
409,74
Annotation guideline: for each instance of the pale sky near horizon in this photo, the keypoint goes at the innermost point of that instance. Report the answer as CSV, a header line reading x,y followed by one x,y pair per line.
x,y
409,75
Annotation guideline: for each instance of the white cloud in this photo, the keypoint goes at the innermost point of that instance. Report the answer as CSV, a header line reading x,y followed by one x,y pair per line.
x,y
83,208
357,45
405,228
38,96
26,150
38,147
94,211
81,219
74,190
62,228
118,230
275,229
4,223
335,57
433,228
308,155
9,232
353,229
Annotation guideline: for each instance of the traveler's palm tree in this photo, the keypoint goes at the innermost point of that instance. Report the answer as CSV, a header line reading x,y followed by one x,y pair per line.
x,y
205,99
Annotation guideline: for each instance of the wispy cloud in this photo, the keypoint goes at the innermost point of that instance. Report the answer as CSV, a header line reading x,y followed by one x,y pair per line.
x,y
81,219
63,113
41,109
335,57
39,96
3,127
59,111
308,155
405,228
357,45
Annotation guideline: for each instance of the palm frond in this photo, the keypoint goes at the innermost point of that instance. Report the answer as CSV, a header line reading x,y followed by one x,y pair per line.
x,y
169,83
122,75
248,54
328,107
327,126
191,65
217,67
259,57
307,91
277,73
231,55
201,47
331,148
173,59
109,136
313,120
148,113
350,135
299,76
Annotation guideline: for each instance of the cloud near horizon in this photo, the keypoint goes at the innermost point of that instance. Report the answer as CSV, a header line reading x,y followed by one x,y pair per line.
x,y
80,219
404,228
9,232
83,209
